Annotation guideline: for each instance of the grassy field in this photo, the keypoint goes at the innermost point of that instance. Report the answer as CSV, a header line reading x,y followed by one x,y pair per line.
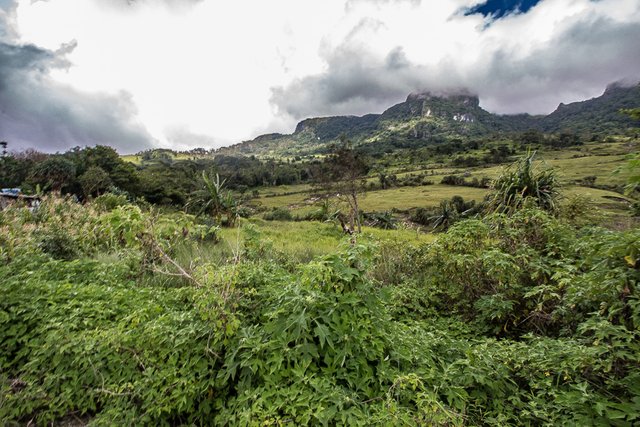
x,y
573,164
595,159
298,241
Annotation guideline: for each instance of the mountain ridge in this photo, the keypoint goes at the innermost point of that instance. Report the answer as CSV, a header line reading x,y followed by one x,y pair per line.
x,y
431,117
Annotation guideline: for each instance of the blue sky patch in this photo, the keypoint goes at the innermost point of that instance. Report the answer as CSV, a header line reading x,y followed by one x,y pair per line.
x,y
499,8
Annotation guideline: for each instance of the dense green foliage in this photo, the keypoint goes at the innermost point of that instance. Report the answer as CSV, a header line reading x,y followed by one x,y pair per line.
x,y
520,320
159,178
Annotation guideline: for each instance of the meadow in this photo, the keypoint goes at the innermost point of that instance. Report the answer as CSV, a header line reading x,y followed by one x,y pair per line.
x,y
600,161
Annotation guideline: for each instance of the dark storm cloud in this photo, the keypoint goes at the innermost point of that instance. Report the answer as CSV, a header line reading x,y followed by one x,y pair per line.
x,y
577,64
38,112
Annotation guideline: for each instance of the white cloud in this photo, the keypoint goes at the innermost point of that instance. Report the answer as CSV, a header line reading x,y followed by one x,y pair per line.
x,y
219,72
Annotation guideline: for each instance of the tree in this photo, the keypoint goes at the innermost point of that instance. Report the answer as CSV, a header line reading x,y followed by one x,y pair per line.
x,y
342,177
94,181
14,171
55,171
213,199
634,113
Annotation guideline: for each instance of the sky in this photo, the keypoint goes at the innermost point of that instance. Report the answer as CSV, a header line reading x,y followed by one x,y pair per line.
x,y
138,74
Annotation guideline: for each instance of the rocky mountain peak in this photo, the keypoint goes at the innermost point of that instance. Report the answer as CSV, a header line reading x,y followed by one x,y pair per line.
x,y
458,96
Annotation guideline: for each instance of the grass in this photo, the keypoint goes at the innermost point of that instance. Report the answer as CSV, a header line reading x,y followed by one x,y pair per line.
x,y
405,198
399,198
298,241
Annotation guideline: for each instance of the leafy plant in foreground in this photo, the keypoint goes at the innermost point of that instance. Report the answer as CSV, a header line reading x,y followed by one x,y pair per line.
x,y
522,183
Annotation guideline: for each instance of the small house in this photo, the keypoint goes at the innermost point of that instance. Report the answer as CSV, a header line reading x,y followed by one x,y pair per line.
x,y
10,196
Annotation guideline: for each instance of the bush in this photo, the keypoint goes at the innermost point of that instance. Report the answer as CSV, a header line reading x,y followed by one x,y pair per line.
x,y
580,211
524,183
278,214
447,213
86,342
384,220
109,201
452,180
57,243
515,319
484,182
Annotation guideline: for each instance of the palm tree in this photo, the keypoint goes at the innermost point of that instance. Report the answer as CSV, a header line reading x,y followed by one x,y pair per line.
x,y
211,199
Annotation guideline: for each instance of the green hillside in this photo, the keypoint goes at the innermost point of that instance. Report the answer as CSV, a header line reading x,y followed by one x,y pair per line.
x,y
431,118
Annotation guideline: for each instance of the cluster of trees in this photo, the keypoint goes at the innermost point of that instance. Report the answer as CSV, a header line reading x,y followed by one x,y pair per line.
x,y
160,178
85,172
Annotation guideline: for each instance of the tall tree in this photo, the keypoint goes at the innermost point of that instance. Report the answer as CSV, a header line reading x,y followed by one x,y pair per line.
x,y
94,181
343,176
55,172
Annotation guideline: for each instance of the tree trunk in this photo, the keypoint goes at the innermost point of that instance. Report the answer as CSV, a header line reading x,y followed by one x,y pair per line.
x,y
356,211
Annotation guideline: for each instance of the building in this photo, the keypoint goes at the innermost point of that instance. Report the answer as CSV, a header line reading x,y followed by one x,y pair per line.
x,y
10,196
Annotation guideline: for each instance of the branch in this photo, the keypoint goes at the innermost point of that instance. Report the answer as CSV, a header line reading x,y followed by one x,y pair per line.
x,y
167,258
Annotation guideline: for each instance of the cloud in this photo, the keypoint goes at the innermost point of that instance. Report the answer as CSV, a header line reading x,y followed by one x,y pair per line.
x,y
184,139
36,111
523,62
179,73
580,62
352,84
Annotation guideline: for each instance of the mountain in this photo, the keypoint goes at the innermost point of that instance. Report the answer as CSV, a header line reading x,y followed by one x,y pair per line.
x,y
431,117
596,115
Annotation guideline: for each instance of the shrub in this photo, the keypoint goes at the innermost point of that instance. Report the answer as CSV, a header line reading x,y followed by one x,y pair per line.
x,y
384,220
523,183
109,201
580,211
278,214
57,243
452,180
515,319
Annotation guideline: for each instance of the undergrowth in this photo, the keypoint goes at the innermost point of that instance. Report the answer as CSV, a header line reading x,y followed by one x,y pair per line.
x,y
508,320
